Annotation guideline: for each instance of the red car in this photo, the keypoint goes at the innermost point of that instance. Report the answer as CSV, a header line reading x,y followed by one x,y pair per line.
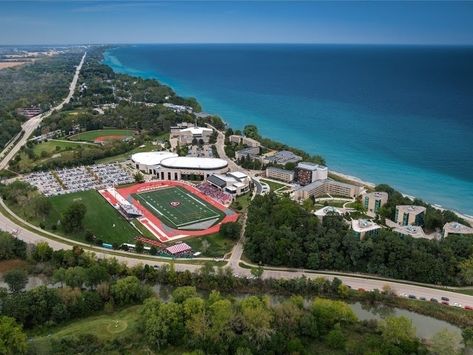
x,y
469,308
361,290
445,303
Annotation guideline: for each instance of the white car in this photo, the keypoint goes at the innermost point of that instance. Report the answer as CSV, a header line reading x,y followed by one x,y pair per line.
x,y
459,305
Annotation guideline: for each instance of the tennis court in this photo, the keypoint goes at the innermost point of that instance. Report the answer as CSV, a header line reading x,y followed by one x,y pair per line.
x,y
177,207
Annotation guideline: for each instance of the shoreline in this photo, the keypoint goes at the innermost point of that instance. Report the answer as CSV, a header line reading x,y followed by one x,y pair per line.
x,y
348,177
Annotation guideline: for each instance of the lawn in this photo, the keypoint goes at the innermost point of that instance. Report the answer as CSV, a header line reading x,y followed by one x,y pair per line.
x,y
212,246
106,327
53,146
101,219
46,152
273,185
91,136
177,207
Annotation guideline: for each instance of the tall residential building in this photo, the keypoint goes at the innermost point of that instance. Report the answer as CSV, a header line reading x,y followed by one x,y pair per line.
x,y
321,187
306,173
410,215
373,201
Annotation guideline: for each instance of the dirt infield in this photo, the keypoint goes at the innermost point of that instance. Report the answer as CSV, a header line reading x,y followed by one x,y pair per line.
x,y
102,139
159,229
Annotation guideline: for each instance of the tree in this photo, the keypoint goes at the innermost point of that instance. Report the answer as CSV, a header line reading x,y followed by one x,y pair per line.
x,y
16,280
73,217
42,252
329,312
129,290
153,250
41,206
446,342
11,247
12,338
75,276
95,275
139,177
139,247
231,230
396,330
466,270
335,339
257,271
467,335
180,294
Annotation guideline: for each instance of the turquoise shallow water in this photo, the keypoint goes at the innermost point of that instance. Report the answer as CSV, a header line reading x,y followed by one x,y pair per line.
x,y
400,115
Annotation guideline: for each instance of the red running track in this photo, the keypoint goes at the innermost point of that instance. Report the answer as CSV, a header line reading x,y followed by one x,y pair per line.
x,y
165,232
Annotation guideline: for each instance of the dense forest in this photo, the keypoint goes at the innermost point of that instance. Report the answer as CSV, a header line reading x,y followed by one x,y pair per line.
x,y
188,320
41,83
280,232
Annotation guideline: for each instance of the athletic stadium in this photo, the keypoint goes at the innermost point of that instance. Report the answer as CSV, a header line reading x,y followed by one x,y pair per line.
x,y
170,209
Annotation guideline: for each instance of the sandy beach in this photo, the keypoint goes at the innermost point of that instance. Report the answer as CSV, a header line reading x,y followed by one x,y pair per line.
x,y
4,65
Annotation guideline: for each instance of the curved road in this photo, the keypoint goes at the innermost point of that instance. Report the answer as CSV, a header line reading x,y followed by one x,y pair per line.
x,y
33,234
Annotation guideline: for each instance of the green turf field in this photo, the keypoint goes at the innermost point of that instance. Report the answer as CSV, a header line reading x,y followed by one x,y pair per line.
x,y
91,136
189,209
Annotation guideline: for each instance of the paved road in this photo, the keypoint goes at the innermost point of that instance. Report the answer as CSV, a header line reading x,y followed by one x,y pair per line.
x,y
30,126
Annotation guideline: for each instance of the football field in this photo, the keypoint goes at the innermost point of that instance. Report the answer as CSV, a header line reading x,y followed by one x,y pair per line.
x,y
177,207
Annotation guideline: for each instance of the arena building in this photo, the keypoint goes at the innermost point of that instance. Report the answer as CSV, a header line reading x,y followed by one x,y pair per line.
x,y
169,166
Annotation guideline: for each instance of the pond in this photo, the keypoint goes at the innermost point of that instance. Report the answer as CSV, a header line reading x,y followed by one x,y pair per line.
x,y
425,326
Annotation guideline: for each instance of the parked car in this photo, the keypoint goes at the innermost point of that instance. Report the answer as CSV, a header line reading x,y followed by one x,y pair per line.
x,y
433,300
469,308
459,305
445,303
445,299
423,299
412,297
361,290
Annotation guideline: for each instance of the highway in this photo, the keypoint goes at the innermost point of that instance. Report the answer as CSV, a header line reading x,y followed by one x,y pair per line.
x,y
33,234
30,126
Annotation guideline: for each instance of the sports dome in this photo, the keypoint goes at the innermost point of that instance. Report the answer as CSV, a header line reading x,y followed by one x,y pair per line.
x,y
146,160
194,163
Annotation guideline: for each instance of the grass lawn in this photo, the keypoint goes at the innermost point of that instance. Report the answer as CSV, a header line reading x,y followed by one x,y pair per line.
x,y
101,219
177,207
273,185
46,152
241,203
91,136
148,146
105,327
212,246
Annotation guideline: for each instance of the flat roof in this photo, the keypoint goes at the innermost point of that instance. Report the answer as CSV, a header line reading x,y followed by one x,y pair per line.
x,y
310,166
194,163
151,158
377,194
411,208
196,130
413,231
457,228
363,225
279,170
238,174
327,209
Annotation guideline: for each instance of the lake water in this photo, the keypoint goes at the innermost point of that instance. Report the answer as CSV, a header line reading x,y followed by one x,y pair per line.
x,y
388,114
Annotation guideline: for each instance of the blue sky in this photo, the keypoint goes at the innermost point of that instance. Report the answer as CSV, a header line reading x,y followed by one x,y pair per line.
x,y
141,21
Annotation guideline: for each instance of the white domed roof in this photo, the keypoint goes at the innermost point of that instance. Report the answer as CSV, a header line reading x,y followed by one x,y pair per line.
x,y
194,163
151,158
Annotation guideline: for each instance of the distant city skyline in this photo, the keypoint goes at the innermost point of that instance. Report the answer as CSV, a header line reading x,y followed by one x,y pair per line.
x,y
142,21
